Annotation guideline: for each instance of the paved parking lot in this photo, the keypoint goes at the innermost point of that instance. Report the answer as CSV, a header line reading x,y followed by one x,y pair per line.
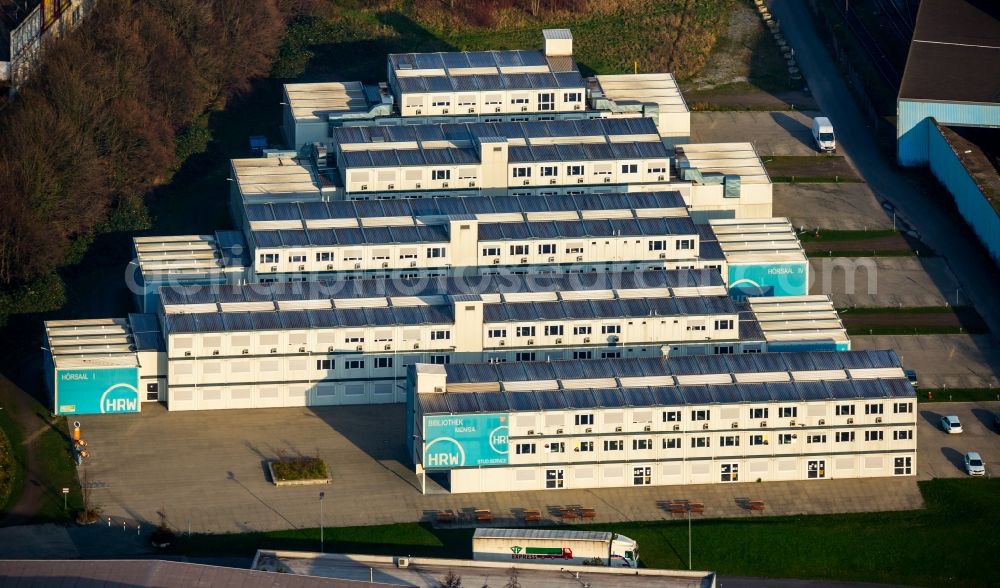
x,y
941,455
772,133
955,361
846,206
884,281
207,468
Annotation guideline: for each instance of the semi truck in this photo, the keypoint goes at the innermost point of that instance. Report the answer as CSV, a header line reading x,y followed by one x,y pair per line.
x,y
556,547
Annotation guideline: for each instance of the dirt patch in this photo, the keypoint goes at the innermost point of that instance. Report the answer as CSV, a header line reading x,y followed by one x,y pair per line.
x,y
891,243
826,166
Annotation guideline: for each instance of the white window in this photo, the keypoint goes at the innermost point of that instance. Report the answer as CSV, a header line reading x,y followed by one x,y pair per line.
x,y
845,410
547,248
684,244
441,359
548,171
701,415
522,172
844,436
525,448
572,96
902,407
758,440
440,335
630,168
642,444
441,174
491,251
553,330
672,443
614,445
698,442
815,438
902,466
874,435
583,419
657,170
524,356
723,350
269,258
354,364
730,441
518,249
785,438
325,364
574,170
583,355
440,101
671,416
324,256
611,329
557,447
724,325
587,446
496,333
758,413
902,435
433,252
874,408
525,331
584,330
642,476
657,245
788,412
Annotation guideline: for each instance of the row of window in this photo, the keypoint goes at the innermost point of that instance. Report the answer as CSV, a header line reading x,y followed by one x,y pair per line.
x,y
378,363
546,100
728,472
705,441
572,171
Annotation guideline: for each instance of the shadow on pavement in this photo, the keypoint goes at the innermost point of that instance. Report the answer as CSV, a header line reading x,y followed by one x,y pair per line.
x,y
987,417
954,457
932,417
795,128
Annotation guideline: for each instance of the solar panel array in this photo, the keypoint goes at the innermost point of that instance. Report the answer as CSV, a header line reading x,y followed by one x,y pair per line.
x,y
588,152
219,322
606,309
677,366
351,236
570,80
469,205
438,286
459,60
626,227
468,132
646,396
145,331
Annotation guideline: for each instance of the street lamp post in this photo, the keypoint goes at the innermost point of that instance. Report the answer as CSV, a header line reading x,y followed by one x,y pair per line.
x,y
321,496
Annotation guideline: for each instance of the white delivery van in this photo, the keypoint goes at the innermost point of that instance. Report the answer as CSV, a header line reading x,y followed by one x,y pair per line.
x,y
823,134
557,547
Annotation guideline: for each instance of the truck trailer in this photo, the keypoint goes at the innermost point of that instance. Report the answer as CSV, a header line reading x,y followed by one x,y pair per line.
x,y
557,547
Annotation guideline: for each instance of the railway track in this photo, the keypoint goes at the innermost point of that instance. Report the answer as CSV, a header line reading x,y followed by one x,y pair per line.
x,y
873,50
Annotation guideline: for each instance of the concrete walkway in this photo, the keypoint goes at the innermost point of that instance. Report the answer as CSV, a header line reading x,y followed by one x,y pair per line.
x,y
206,470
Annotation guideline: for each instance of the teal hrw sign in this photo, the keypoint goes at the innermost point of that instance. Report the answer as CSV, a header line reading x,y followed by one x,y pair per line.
x,y
769,279
97,391
453,441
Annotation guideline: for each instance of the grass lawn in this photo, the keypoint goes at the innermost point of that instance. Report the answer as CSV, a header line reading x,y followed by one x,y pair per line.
x,y
809,169
299,468
58,470
932,547
831,235
958,394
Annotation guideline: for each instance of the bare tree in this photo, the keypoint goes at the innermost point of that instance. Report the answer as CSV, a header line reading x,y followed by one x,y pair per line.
x,y
450,580
512,581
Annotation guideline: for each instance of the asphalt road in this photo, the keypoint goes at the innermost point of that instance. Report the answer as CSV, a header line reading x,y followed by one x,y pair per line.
x,y
936,223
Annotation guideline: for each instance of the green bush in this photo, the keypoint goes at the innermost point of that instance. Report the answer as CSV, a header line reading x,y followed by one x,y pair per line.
x,y
299,468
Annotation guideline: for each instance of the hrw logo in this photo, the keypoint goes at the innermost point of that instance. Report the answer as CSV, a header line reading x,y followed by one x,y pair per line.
x,y
120,398
517,549
498,439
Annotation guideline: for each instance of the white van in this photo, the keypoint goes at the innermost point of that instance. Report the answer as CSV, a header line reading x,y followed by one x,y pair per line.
x,y
823,134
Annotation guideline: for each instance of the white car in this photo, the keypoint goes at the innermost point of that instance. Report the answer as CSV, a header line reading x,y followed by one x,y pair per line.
x,y
974,464
951,425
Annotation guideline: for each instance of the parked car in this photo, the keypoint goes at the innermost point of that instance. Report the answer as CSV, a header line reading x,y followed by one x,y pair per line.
x,y
822,134
974,464
911,375
951,425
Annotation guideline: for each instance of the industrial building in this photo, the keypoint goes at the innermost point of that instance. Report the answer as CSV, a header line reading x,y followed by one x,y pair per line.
x,y
483,86
655,421
25,27
949,108
350,342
